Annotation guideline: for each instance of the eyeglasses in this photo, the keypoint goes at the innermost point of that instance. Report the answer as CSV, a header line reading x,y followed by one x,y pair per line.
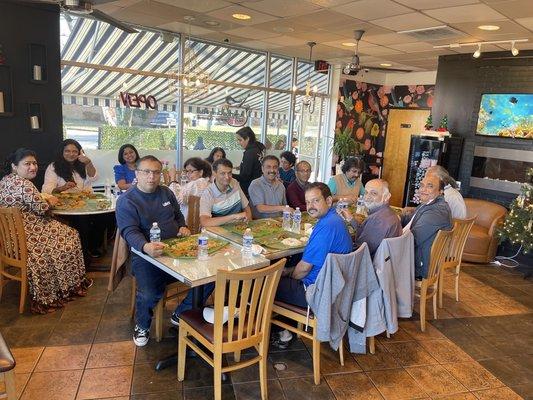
x,y
305,171
149,172
190,171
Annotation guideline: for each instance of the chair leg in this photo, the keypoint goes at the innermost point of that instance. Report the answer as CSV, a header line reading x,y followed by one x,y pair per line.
x,y
341,352
423,311
182,348
300,327
159,308
23,294
316,361
372,344
217,377
9,380
435,306
263,367
237,356
133,297
457,271
440,286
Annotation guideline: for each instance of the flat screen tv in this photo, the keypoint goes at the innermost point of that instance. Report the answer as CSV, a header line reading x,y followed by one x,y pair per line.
x,y
506,115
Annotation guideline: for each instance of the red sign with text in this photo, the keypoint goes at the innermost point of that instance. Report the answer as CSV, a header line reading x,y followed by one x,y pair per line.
x,y
138,100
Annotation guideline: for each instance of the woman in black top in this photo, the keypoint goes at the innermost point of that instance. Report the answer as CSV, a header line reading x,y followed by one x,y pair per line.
x,y
250,167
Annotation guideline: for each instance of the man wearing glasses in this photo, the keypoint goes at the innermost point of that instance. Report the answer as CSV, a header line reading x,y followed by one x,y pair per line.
x,y
137,209
296,190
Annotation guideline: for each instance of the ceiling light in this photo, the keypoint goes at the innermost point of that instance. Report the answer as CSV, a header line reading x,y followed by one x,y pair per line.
x,y
349,44
477,53
242,17
386,65
514,50
488,27
456,45
212,23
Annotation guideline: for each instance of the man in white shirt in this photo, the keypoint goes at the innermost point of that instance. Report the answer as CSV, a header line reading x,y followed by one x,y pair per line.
x,y
452,196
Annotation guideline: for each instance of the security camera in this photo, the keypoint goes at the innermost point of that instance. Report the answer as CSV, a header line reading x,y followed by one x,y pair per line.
x,y
226,40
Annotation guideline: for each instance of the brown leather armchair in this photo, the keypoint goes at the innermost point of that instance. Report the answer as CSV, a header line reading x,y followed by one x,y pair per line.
x,y
482,241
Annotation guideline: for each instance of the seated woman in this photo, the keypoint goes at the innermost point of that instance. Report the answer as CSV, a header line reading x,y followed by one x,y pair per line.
x,y
125,170
348,185
199,174
216,154
286,169
56,271
72,170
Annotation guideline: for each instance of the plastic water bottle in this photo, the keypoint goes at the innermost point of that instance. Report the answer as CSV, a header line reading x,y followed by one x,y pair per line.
x,y
155,233
286,224
183,178
203,254
297,220
247,242
360,206
341,205
107,189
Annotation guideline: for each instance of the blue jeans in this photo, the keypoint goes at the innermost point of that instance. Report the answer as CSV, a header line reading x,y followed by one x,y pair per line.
x,y
291,291
151,284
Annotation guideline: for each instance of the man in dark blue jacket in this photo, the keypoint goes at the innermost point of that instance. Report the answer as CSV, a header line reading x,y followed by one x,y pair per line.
x,y
137,209
432,215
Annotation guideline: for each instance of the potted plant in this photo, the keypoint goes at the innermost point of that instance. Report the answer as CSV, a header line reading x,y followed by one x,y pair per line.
x,y
344,147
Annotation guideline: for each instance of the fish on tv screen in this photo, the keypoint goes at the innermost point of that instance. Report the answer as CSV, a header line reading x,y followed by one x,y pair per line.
x,y
506,115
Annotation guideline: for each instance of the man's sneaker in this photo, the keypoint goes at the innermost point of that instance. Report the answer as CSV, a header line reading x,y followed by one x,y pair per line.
x,y
140,336
175,320
281,340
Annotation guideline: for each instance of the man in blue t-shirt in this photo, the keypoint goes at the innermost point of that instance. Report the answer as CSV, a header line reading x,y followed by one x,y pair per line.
x,y
330,235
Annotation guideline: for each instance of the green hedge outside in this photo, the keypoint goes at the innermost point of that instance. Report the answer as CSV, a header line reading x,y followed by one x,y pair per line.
x,y
111,138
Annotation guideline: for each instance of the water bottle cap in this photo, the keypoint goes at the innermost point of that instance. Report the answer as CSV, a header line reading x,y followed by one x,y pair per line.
x,y
154,223
298,208
248,230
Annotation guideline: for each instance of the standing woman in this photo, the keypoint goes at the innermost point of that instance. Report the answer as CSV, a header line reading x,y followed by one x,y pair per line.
x,y
199,174
72,170
125,170
56,270
250,167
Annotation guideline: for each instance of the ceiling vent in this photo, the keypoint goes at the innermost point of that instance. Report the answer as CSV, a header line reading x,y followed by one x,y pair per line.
x,y
433,33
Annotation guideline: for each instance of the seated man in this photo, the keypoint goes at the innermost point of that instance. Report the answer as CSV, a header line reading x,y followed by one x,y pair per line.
x,y
223,201
296,190
382,222
330,235
432,215
146,203
267,193
286,171
452,196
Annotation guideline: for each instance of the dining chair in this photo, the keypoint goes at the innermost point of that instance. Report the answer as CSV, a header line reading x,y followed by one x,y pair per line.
x,y
461,231
193,216
429,286
249,296
13,252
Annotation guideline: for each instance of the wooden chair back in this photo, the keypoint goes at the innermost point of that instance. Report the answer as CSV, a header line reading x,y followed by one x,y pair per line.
x,y
439,253
461,230
193,216
249,296
13,250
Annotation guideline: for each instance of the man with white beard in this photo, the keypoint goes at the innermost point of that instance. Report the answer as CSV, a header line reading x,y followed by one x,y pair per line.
x,y
382,222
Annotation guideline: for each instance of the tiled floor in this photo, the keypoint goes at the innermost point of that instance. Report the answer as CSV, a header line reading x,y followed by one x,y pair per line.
x,y
479,348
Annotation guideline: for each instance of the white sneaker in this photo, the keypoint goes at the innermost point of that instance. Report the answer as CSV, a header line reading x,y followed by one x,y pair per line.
x,y
140,336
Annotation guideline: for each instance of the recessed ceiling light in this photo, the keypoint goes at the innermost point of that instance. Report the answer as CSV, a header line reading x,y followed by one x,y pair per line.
x,y
241,16
349,44
386,65
488,27
212,23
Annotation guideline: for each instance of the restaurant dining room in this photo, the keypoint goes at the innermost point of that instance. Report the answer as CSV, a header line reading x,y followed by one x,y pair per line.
x,y
266,199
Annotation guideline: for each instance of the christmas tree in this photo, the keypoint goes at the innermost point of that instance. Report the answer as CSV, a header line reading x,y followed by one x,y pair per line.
x,y
518,226
443,126
429,123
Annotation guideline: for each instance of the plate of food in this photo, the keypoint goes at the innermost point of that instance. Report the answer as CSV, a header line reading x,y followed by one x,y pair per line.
x,y
259,227
283,241
187,247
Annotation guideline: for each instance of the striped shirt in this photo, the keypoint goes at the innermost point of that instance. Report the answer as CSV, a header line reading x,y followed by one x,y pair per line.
x,y
215,203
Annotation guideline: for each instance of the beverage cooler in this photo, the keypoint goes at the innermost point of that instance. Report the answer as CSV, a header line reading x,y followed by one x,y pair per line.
x,y
424,152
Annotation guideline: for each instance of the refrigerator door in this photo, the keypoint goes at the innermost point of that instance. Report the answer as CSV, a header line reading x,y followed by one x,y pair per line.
x,y
424,152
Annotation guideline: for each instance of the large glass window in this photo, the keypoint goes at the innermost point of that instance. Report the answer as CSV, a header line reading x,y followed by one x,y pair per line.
x,y
106,73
